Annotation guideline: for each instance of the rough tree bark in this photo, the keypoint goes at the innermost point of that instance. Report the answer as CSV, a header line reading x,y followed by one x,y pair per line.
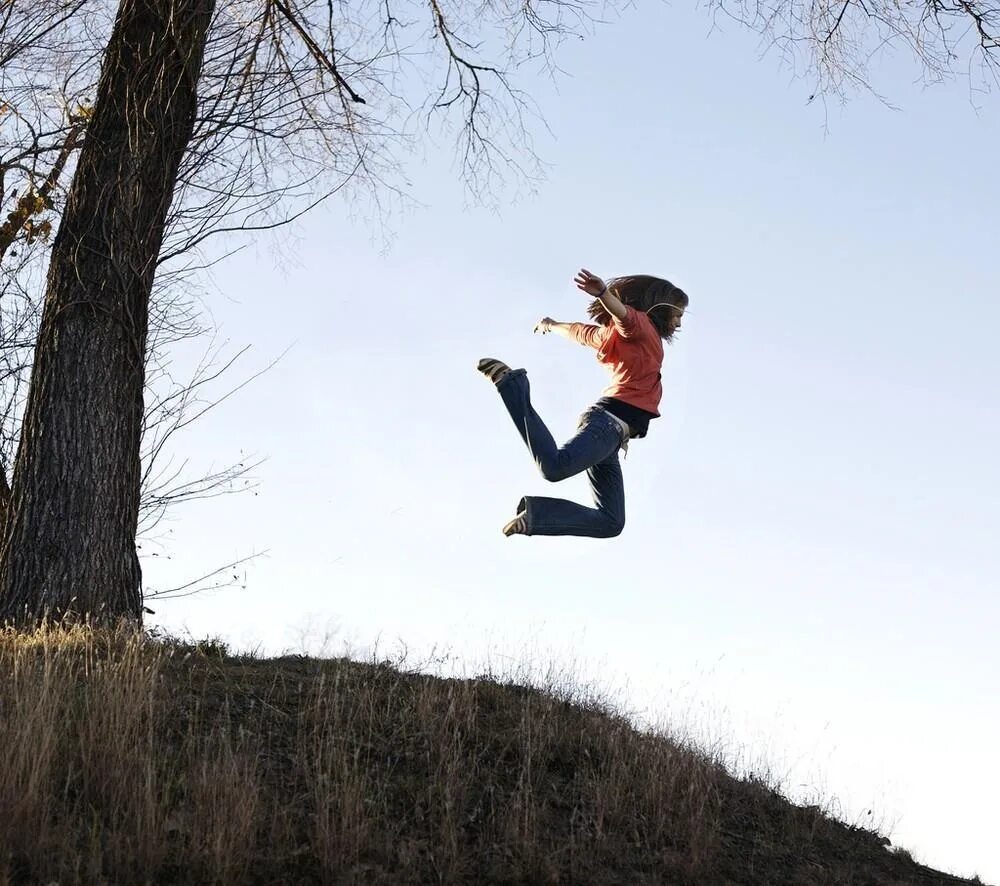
x,y
68,548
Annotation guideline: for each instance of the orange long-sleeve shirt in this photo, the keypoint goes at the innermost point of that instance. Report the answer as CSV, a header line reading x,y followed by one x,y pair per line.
x,y
632,350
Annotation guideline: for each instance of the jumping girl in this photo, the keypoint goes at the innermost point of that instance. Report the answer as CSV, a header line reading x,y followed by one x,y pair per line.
x,y
632,316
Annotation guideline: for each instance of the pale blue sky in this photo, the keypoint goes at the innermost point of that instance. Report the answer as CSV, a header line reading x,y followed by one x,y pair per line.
x,y
807,573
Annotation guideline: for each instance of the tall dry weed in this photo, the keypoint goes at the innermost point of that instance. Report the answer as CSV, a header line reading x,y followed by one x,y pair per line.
x,y
128,760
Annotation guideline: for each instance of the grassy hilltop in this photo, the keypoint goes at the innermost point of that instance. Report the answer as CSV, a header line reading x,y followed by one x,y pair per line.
x,y
129,760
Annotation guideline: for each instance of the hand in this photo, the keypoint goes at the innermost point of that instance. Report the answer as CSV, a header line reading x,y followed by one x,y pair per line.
x,y
589,283
544,325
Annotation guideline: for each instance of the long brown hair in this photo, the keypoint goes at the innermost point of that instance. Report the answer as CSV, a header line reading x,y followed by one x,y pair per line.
x,y
658,299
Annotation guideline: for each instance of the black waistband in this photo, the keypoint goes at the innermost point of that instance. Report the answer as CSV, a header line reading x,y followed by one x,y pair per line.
x,y
637,419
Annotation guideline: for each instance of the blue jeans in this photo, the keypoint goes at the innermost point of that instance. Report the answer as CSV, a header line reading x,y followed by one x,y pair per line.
x,y
593,449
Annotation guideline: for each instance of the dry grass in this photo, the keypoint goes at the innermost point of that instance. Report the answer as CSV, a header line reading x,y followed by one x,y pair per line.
x,y
128,760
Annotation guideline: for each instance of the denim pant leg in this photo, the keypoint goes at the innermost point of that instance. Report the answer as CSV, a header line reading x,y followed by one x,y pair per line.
x,y
515,391
608,489
556,516
594,449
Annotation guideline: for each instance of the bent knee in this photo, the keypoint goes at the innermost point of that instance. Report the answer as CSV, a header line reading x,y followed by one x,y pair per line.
x,y
553,472
616,527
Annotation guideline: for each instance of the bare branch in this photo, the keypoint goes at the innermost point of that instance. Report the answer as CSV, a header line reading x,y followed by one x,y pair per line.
x,y
836,42
221,577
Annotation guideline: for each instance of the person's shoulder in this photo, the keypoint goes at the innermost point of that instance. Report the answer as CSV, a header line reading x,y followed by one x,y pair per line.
x,y
641,320
649,335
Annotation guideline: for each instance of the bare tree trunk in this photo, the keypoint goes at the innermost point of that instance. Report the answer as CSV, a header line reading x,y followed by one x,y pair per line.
x,y
68,549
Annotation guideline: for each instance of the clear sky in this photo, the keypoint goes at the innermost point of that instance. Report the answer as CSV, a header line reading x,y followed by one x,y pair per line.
x,y
809,573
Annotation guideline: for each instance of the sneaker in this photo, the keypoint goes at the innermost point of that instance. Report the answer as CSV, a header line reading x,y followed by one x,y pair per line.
x,y
517,526
493,369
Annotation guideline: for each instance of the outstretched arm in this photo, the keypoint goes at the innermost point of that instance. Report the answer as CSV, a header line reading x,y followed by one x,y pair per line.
x,y
547,324
594,285
584,333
